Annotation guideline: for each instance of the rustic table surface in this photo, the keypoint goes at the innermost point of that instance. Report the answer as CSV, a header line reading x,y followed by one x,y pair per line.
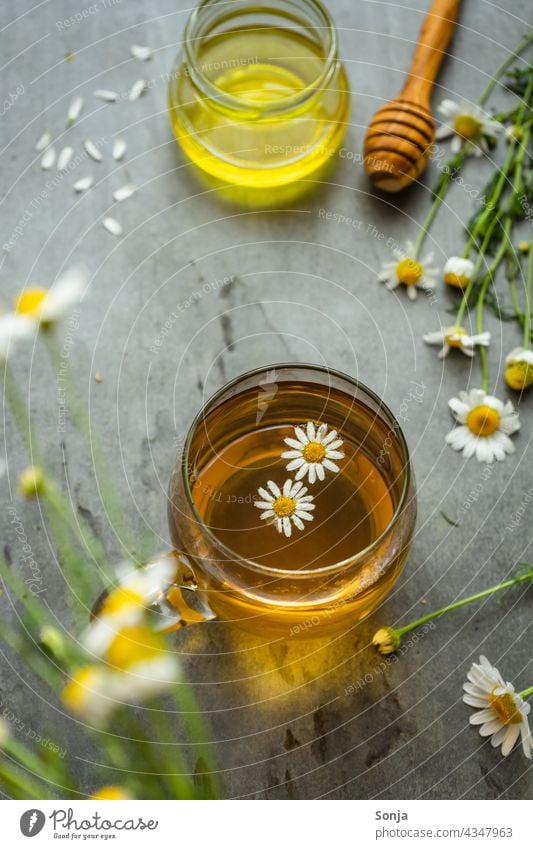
x,y
242,289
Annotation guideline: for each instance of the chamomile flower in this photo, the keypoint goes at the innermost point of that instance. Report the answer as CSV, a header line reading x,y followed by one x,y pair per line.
x,y
502,712
126,604
136,666
13,329
519,368
47,306
458,272
485,425
111,791
470,126
313,452
456,337
285,507
407,269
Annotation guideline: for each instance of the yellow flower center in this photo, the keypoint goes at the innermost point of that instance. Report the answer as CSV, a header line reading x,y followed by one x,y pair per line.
x,y
120,599
467,127
483,420
30,301
454,331
505,708
460,281
409,271
111,791
77,690
314,452
284,506
133,645
519,375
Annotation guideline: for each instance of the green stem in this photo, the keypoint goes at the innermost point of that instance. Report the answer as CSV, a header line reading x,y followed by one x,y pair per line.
x,y
477,265
525,694
186,702
487,280
104,480
528,576
19,780
527,306
454,165
487,91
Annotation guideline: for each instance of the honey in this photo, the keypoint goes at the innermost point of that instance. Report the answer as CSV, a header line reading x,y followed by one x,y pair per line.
x,y
259,100
335,566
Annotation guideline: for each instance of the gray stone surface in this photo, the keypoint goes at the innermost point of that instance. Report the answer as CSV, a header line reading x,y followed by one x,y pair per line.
x,y
284,719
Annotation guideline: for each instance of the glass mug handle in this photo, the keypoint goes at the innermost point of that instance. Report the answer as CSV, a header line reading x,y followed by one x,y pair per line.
x,y
168,588
180,603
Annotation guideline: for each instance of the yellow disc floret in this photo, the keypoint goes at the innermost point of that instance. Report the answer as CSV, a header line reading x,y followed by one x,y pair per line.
x,y
30,301
409,271
79,688
483,420
314,452
132,645
451,334
467,127
504,706
284,506
121,599
519,375
111,791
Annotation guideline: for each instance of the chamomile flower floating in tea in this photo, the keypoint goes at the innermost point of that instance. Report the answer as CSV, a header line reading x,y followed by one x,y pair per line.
x,y
408,270
313,452
519,369
456,337
485,425
47,306
471,127
502,712
285,507
458,272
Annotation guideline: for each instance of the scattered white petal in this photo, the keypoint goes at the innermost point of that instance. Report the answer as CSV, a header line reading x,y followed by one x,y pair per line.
x,y
119,149
83,184
63,160
138,51
48,159
43,141
137,90
106,94
74,110
113,226
92,150
124,192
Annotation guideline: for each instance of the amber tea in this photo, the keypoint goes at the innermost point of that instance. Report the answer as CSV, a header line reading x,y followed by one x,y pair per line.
x,y
294,487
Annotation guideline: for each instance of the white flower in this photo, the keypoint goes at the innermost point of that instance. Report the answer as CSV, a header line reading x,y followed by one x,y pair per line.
x,y
46,306
519,369
469,125
287,507
485,426
126,604
503,712
13,329
456,337
313,451
458,272
413,273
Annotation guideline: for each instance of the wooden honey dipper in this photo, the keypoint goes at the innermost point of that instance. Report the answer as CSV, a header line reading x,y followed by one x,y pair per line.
x,y
400,136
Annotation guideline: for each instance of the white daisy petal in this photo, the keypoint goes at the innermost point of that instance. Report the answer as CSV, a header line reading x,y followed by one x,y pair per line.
x,y
119,149
92,150
137,90
74,110
106,95
113,226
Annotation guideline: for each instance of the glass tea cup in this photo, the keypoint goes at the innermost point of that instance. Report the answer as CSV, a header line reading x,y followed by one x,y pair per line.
x,y
258,97
317,555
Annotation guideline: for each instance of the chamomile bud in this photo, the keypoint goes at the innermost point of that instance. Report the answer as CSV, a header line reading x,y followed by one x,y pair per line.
x,y
32,482
386,640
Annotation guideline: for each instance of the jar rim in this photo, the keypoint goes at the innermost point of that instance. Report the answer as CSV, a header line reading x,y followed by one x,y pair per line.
x,y
322,370
238,104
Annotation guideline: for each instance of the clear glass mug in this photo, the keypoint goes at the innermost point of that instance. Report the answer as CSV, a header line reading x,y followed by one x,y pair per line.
x,y
326,576
258,98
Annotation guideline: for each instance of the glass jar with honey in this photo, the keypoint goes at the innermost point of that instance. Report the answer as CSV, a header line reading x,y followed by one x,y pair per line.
x,y
258,97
